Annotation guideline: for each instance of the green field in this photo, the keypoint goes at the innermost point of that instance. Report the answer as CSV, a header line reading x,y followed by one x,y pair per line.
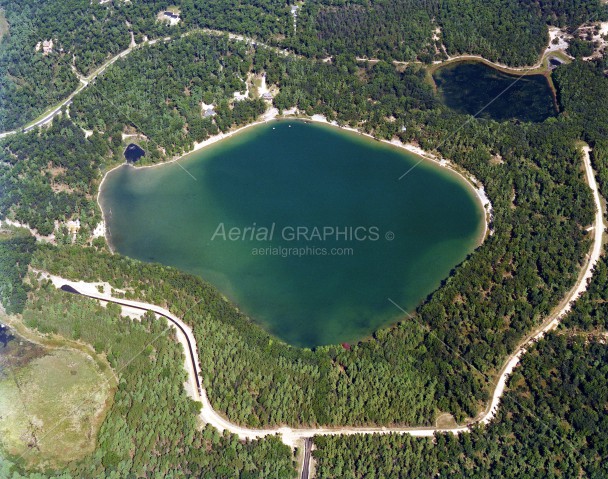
x,y
52,404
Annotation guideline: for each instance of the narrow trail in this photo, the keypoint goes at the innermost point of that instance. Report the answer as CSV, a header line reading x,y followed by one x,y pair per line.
x,y
295,436
85,81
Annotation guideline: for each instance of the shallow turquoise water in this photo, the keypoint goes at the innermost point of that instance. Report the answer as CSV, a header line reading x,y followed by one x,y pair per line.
x,y
476,89
339,189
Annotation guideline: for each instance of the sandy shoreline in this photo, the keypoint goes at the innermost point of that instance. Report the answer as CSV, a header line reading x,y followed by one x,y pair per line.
x,y
469,179
102,228
292,114
293,436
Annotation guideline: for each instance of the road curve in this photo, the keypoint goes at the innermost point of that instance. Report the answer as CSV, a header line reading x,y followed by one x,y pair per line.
x,y
294,436
579,288
85,81
290,436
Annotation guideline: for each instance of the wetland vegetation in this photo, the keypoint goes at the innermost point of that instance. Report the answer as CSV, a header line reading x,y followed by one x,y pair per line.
x,y
53,401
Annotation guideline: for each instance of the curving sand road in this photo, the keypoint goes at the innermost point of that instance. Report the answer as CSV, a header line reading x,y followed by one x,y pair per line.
x,y
294,436
290,436
565,306
85,81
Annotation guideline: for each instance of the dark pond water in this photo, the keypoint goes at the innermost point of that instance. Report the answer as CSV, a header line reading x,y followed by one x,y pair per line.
x,y
477,89
555,62
133,153
5,336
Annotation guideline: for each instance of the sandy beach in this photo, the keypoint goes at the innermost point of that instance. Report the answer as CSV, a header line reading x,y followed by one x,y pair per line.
x,y
293,114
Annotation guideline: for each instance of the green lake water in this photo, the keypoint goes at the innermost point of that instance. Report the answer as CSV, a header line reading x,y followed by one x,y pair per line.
x,y
477,89
334,189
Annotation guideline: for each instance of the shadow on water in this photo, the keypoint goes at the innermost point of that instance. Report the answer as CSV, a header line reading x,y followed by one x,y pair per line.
x,y
474,88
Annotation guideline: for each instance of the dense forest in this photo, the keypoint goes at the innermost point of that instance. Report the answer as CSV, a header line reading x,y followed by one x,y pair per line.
x,y
552,423
587,106
509,31
400,30
86,33
461,334
57,168
440,361
263,19
29,81
158,92
16,248
151,428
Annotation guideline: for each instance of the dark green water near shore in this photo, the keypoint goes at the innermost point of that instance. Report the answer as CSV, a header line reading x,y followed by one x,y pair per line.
x,y
305,227
477,89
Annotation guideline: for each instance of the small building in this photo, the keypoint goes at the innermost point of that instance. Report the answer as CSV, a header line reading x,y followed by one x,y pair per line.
x,y
209,112
267,96
171,17
46,46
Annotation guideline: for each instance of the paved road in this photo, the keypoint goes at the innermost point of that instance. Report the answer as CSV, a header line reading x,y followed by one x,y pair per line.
x,y
306,463
295,436
84,82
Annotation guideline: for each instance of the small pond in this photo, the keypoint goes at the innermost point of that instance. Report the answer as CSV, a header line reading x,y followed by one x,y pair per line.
x,y
474,88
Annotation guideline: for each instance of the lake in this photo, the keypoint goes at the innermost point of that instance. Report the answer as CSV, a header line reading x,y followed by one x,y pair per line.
x,y
472,86
307,228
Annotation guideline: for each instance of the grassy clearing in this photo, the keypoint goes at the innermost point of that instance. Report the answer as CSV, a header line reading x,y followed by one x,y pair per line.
x,y
51,404
257,83
3,24
446,420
